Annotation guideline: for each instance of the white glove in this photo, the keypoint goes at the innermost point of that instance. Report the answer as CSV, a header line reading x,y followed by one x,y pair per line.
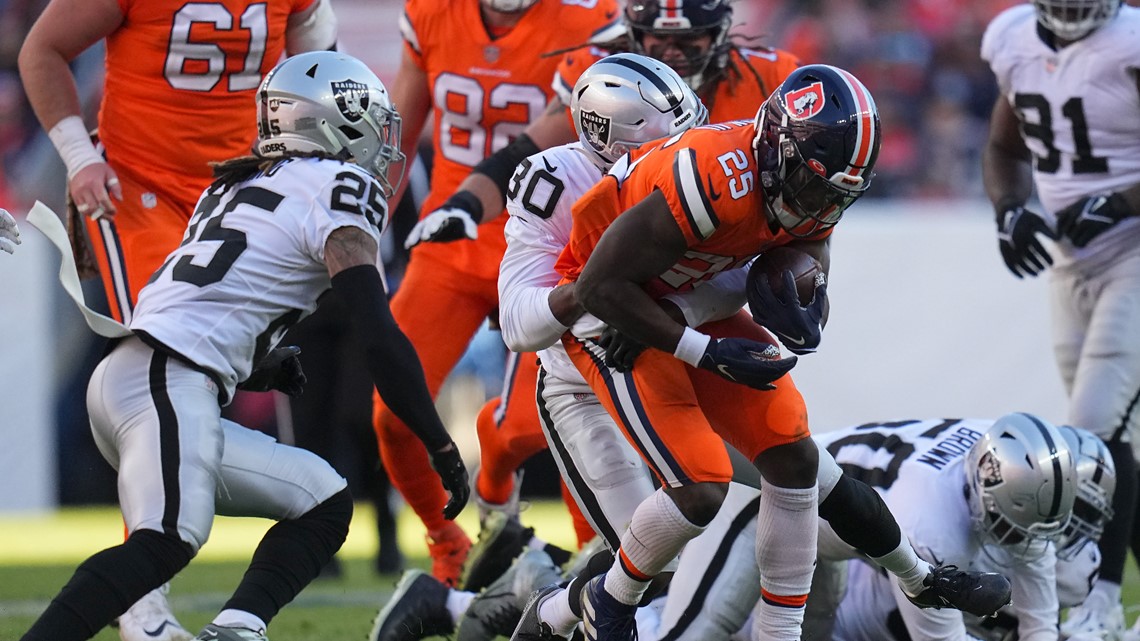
x,y
443,226
9,232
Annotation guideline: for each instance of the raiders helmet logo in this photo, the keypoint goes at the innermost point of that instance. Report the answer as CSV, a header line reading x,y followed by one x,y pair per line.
x,y
351,98
989,470
802,104
596,127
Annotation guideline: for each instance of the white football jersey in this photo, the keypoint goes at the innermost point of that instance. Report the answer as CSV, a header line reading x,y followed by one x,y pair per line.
x,y
1079,108
540,197
917,468
252,263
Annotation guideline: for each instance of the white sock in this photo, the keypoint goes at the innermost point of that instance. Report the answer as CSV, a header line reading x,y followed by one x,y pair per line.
x,y
905,564
536,543
1107,590
786,532
556,613
655,536
230,618
457,602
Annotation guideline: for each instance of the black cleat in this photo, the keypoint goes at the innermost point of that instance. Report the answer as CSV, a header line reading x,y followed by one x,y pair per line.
x,y
979,593
417,610
501,539
496,610
532,628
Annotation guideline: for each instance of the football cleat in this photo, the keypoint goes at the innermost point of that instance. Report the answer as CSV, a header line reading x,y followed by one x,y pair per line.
x,y
150,619
1095,618
604,617
501,539
531,627
496,610
417,610
979,593
1133,633
448,547
592,559
222,633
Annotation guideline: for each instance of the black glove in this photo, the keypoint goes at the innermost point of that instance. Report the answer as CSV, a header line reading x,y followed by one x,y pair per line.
x,y
799,328
449,466
621,350
1021,250
746,361
456,219
279,370
1089,217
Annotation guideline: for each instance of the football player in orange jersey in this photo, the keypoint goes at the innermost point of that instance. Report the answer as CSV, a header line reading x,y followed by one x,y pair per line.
x,y
476,64
667,219
692,37
179,93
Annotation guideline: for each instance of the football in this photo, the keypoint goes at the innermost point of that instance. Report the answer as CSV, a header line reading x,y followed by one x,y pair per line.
x,y
804,267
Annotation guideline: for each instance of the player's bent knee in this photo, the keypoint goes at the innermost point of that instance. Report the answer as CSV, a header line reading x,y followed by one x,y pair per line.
x,y
604,458
699,502
790,465
168,553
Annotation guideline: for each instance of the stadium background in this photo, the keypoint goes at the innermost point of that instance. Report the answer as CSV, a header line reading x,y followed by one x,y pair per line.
x,y
925,319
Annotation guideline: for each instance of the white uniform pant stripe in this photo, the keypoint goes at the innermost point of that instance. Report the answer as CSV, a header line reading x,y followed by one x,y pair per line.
x,y
121,294
512,368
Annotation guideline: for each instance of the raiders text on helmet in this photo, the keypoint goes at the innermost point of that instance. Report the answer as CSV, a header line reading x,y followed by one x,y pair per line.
x,y
1075,19
683,18
331,102
817,139
625,100
1021,482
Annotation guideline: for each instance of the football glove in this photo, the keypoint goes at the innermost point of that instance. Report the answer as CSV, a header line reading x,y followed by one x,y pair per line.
x,y
279,370
448,464
1021,250
746,361
621,350
454,220
798,328
1089,217
9,232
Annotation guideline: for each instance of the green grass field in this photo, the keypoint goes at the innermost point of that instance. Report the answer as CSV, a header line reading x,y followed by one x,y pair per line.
x,y
39,553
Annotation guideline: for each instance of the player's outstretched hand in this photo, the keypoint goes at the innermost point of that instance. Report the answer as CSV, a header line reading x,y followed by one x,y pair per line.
x,y
746,361
457,218
1091,216
448,464
279,370
1021,250
94,189
9,232
621,350
798,328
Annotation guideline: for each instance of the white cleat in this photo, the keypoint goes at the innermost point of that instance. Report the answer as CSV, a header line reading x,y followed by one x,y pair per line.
x,y
150,619
1094,619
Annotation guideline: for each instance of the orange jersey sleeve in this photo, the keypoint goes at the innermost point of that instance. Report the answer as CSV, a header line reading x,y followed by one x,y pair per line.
x,y
753,74
180,84
571,67
708,177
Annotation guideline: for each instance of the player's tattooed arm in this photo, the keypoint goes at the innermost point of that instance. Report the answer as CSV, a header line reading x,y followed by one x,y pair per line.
x,y
349,247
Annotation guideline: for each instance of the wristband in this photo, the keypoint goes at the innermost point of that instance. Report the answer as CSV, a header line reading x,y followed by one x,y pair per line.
x,y
74,145
466,201
692,346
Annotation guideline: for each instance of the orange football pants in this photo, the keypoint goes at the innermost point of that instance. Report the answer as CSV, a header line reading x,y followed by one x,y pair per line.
x,y
129,247
509,434
676,415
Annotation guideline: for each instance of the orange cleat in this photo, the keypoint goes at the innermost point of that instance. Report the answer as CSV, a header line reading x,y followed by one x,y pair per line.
x,y
448,547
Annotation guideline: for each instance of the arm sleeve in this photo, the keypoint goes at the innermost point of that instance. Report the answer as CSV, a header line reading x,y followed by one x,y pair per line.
x,y
1035,598
526,278
719,298
391,360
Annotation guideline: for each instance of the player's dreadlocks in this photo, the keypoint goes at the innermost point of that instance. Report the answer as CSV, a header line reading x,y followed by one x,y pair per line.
x,y
231,172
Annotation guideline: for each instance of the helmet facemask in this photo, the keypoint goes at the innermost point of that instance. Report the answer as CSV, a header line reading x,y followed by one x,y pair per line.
x,y
1096,484
1074,19
682,28
508,6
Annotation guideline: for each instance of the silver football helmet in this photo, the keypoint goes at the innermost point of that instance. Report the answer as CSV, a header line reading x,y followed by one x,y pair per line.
x,y
1075,19
625,100
1021,481
1096,483
508,6
324,101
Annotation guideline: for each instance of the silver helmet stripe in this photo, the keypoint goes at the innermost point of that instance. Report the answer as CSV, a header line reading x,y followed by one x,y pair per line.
x,y
671,96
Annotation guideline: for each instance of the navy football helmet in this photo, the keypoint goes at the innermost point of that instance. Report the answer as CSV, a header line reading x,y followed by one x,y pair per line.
x,y
817,139
683,19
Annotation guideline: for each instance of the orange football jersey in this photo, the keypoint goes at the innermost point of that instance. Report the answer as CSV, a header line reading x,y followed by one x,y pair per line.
x,y
484,93
751,76
708,175
180,84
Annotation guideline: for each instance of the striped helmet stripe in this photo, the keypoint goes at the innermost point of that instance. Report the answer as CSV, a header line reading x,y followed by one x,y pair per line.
x,y
865,140
672,97
672,8
1058,477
